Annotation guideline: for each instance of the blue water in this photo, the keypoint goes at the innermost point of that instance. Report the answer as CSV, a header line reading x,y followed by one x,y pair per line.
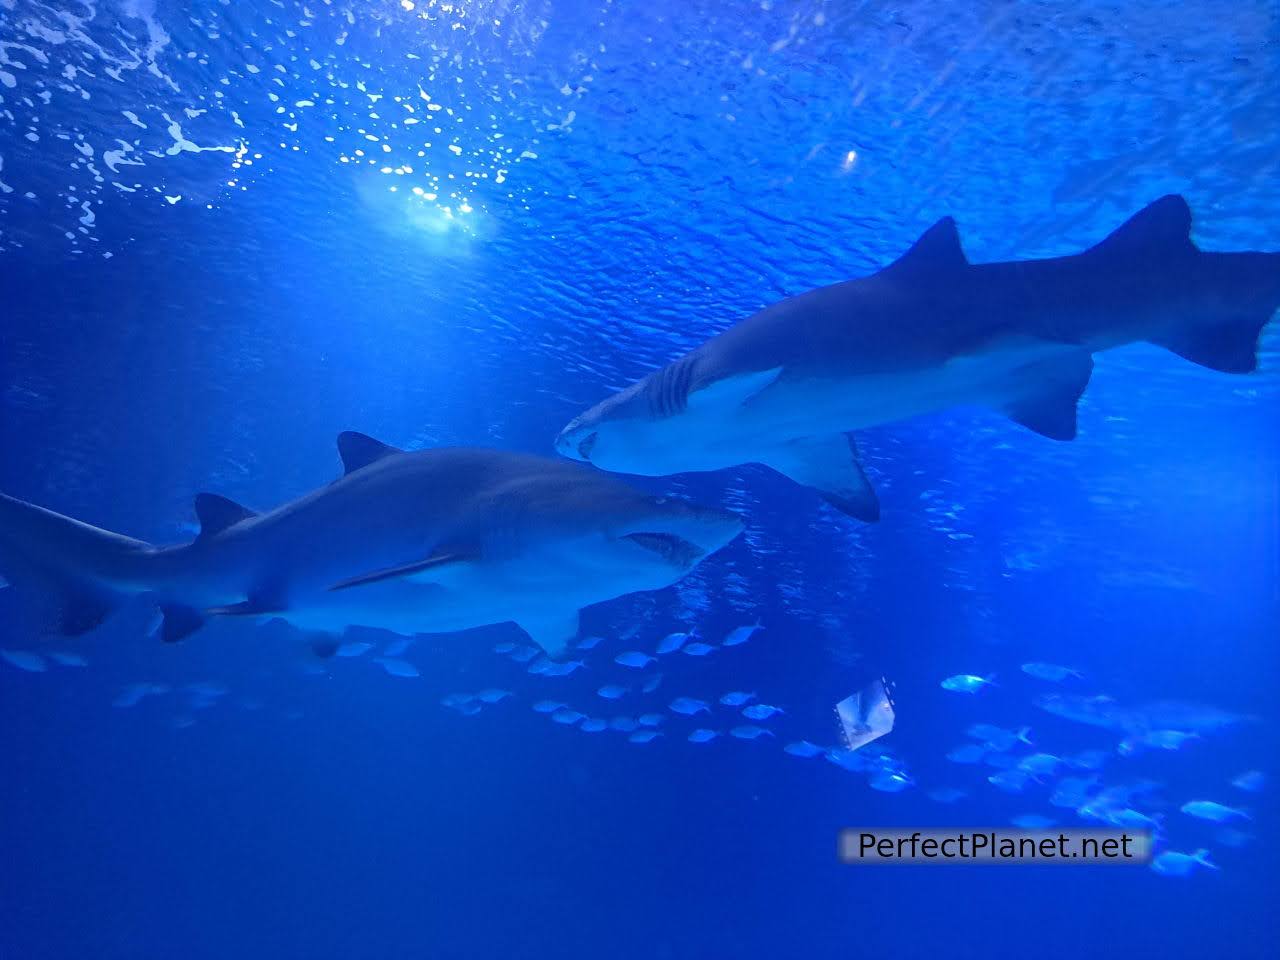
x,y
222,242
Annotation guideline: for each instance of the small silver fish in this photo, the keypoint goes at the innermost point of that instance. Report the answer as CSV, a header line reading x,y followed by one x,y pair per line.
x,y
1010,781
967,753
1174,864
612,691
760,711
25,660
593,725
1252,781
967,683
634,659
548,706
1050,671
750,732
66,659
651,683
688,706
803,748
1214,812
1039,764
702,735
651,719
741,634
737,698
674,641
589,643
697,649
889,781
523,654
567,716
493,695
644,736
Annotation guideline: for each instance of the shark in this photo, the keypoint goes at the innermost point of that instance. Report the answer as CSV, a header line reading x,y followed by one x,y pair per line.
x,y
788,386
431,541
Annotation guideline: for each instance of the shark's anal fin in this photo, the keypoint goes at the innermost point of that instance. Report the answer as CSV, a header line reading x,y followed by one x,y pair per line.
x,y
732,391
179,622
218,513
1228,346
358,450
432,568
830,465
1047,394
553,633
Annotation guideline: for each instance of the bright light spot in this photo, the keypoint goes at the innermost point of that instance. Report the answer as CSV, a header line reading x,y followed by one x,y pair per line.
x,y
850,159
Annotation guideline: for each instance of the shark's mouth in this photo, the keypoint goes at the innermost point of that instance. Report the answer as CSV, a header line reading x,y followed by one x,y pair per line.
x,y
585,446
674,550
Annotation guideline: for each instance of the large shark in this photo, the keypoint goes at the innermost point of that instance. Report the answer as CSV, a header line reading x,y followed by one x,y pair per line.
x,y
786,386
424,542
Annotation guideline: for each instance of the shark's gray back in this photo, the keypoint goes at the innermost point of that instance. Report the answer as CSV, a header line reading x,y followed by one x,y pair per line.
x,y
403,507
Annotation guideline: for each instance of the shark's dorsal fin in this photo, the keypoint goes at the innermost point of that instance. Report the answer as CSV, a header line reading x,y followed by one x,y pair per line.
x,y
358,450
436,563
937,250
1159,228
218,513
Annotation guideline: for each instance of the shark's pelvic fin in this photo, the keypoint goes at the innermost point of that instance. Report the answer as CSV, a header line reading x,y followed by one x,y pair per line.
x,y
217,513
552,633
937,251
732,391
1157,230
358,450
1048,401
829,465
179,622
434,565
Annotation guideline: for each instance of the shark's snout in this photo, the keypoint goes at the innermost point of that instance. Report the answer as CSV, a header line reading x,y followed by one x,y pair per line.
x,y
576,441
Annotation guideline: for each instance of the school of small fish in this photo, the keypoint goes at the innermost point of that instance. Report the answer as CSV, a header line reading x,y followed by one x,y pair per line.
x,y
1076,787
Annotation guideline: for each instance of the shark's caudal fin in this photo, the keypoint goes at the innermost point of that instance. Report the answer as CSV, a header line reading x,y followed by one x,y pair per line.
x,y
829,465
1229,297
65,566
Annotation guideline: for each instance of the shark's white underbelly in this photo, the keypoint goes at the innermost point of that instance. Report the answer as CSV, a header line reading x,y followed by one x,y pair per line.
x,y
796,407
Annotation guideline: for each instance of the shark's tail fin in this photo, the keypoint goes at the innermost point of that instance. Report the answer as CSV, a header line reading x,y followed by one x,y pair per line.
x,y
1227,298
1234,296
71,571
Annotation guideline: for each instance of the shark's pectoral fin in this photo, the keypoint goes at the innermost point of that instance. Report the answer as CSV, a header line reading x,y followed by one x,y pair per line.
x,y
829,465
552,632
1047,393
430,570
179,622
732,391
